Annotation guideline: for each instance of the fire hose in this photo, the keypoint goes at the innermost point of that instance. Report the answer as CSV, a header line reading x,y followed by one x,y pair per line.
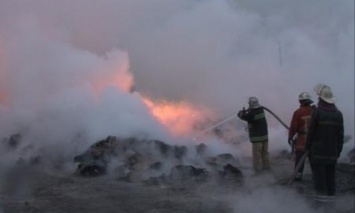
x,y
302,159
298,167
277,118
283,124
299,164
234,115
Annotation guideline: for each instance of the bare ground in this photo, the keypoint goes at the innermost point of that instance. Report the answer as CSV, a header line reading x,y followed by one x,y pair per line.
x,y
31,190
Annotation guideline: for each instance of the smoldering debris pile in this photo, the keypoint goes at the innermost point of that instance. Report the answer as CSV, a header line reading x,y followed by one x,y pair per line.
x,y
26,155
153,161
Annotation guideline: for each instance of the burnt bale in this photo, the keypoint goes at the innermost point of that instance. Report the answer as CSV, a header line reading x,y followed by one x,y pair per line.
x,y
134,159
92,170
231,174
226,158
14,141
211,162
94,161
107,144
91,165
180,151
123,173
163,148
187,173
156,166
201,149
162,179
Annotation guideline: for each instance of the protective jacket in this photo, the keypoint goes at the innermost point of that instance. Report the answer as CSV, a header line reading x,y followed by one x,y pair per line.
x,y
257,124
325,136
299,125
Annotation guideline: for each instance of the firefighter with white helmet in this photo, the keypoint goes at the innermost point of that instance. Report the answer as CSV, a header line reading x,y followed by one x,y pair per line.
x,y
325,138
258,133
325,93
304,96
298,129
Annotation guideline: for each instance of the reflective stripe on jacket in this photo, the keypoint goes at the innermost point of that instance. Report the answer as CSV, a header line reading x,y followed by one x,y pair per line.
x,y
325,136
257,124
299,125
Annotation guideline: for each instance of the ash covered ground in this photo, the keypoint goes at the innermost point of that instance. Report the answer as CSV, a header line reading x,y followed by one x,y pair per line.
x,y
150,176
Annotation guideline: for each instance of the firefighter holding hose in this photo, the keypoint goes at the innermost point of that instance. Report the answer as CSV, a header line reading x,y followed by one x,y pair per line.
x,y
258,133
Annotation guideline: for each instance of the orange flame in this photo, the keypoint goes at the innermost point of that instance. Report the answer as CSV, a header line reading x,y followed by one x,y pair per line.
x,y
180,118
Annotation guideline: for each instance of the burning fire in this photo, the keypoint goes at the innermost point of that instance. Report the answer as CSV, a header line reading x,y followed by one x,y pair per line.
x,y
180,118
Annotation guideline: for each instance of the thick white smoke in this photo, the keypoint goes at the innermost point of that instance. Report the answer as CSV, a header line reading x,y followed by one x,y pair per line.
x,y
61,63
211,53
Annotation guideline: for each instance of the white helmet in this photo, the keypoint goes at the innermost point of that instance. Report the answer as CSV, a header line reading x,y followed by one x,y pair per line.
x,y
253,102
326,94
304,96
319,87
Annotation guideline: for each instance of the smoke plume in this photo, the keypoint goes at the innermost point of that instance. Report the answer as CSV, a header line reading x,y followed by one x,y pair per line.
x,y
67,67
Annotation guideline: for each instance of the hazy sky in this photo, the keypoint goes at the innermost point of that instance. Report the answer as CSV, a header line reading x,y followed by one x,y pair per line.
x,y
66,67
207,52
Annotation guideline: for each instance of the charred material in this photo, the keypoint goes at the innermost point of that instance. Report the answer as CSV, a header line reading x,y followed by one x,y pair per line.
x,y
156,166
231,174
131,159
180,152
95,160
182,173
163,148
226,158
14,140
201,149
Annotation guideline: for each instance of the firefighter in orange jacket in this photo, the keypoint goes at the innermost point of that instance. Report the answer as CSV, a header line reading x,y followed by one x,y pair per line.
x,y
298,129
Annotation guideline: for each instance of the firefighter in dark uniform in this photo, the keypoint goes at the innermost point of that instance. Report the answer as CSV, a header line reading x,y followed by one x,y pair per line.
x,y
258,133
298,129
325,138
